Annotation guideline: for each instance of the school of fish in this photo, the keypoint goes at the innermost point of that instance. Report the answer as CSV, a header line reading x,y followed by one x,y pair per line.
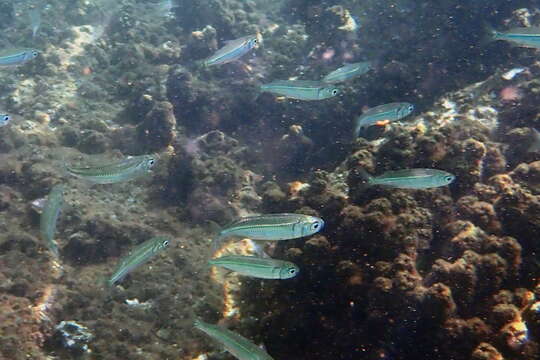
x,y
259,228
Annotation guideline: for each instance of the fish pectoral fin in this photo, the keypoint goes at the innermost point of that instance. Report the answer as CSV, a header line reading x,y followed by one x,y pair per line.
x,y
258,248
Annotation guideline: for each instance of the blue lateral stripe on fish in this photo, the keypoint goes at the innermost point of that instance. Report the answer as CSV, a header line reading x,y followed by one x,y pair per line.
x,y
17,57
232,51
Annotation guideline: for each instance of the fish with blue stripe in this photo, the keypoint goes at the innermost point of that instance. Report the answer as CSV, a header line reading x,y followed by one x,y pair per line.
x,y
254,266
232,51
301,89
236,344
14,57
524,36
114,172
283,226
347,72
49,217
410,178
382,115
140,255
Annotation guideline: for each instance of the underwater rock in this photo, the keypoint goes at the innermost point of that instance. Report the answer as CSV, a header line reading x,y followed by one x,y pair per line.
x,y
73,336
486,351
481,213
157,130
93,142
214,176
202,43
201,105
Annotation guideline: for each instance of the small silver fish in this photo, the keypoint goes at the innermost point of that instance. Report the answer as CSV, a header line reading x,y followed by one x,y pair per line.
x,y
257,267
382,114
347,72
266,227
232,51
49,217
4,119
138,256
119,171
301,89
14,57
237,345
412,178
524,37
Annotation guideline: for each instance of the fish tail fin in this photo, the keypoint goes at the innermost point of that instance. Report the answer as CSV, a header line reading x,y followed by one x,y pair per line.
x,y
217,244
535,141
357,130
490,34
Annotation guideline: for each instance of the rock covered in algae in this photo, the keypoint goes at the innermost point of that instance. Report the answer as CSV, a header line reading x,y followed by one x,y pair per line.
x,y
157,130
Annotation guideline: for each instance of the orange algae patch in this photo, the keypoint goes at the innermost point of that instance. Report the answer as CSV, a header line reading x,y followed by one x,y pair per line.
x,y
382,123
231,283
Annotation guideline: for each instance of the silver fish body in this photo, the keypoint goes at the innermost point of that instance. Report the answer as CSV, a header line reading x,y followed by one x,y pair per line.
x,y
301,89
123,170
387,112
232,51
236,344
283,226
138,256
49,217
4,119
525,37
413,179
347,72
253,266
17,56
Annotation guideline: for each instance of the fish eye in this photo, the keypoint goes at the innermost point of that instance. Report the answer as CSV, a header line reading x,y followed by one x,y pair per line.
x,y
315,225
34,53
166,243
255,41
335,92
411,108
449,178
6,118
151,162
292,271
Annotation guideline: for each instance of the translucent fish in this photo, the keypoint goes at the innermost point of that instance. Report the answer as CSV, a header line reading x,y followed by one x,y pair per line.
x,y
271,227
49,217
524,37
123,170
164,7
35,20
14,57
140,255
237,345
301,89
412,179
347,72
257,267
234,50
535,141
4,119
382,113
